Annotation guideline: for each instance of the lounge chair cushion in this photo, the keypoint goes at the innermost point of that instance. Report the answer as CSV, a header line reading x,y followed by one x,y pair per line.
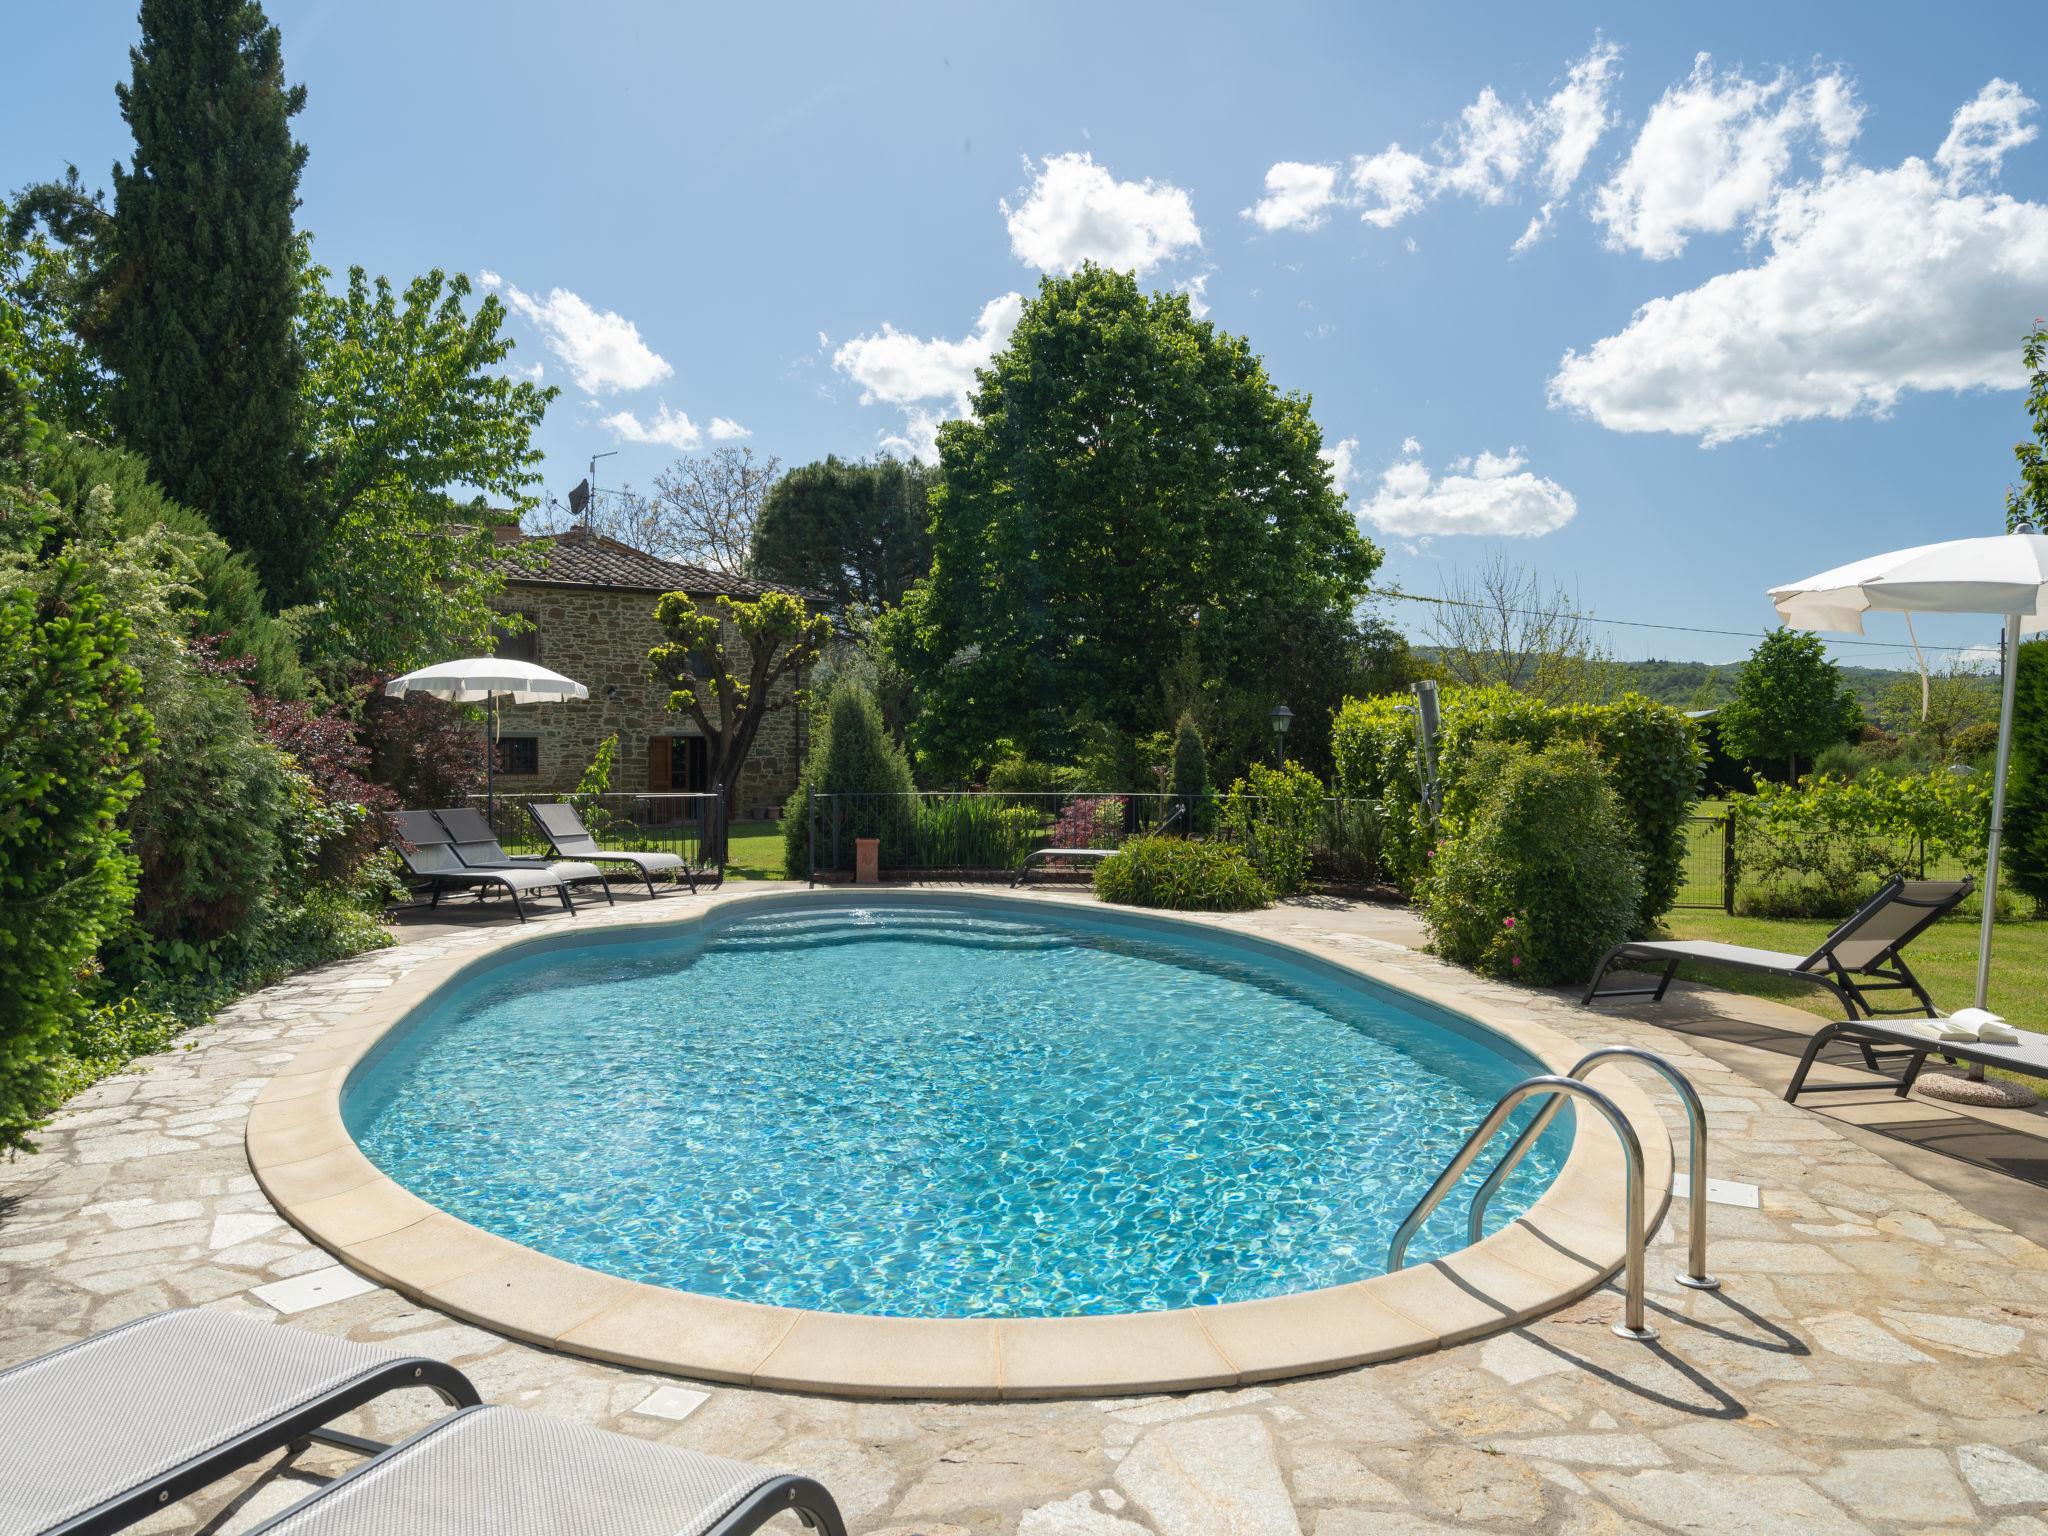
x,y
115,1412
504,1472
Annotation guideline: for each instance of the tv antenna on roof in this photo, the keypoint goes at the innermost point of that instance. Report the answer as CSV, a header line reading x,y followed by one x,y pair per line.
x,y
584,495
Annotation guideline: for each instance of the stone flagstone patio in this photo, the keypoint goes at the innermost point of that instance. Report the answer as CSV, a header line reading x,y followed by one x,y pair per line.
x,y
1877,1360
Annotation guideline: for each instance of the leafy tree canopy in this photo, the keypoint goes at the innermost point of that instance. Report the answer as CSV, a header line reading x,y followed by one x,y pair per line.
x,y
855,532
722,668
421,443
1790,702
1130,477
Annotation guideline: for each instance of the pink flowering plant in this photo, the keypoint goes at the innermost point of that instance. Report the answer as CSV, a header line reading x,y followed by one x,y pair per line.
x,y
1543,878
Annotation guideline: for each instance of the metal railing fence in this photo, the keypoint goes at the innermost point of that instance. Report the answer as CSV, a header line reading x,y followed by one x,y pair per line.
x,y
686,823
966,833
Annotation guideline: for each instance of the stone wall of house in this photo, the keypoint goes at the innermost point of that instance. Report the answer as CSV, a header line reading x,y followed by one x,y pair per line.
x,y
601,637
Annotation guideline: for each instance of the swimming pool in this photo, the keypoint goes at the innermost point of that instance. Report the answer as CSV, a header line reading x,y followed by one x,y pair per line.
x,y
964,1108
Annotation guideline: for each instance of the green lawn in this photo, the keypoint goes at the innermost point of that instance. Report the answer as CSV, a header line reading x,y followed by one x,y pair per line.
x,y
1944,958
753,851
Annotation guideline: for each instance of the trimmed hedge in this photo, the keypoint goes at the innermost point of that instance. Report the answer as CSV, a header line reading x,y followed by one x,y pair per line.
x,y
1181,875
1651,754
1544,877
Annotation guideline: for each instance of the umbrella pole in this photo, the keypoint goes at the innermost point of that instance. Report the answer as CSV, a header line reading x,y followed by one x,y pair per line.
x,y
490,761
2010,653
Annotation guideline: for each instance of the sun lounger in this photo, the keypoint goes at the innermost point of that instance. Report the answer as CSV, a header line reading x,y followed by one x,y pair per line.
x,y
102,1433
1864,955
477,847
429,855
1083,855
507,1472
570,839
1917,1040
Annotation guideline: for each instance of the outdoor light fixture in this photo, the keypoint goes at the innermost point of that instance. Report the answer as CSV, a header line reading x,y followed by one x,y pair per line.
x,y
1282,717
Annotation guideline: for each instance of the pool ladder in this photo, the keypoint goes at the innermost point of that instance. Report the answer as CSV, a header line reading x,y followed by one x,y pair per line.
x,y
1555,1089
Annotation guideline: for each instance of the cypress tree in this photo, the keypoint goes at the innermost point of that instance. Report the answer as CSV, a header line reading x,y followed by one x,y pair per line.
x,y
202,286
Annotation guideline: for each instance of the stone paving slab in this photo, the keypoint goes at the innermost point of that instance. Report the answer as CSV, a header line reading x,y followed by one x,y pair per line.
x,y
1877,1361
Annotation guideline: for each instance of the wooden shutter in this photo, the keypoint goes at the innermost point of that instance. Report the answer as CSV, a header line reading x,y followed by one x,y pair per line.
x,y
658,763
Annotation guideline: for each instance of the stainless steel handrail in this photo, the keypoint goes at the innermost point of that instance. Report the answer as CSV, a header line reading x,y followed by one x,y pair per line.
x,y
1632,1325
1695,1274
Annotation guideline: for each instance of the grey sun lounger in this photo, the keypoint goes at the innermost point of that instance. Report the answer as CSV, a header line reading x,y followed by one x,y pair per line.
x,y
429,855
1084,855
570,839
507,1472
477,847
102,1433
1864,955
2028,1054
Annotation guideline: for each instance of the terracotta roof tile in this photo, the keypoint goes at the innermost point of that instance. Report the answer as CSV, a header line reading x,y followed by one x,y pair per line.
x,y
580,559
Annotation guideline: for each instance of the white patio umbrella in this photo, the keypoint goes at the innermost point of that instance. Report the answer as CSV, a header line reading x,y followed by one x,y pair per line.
x,y
485,680
2006,574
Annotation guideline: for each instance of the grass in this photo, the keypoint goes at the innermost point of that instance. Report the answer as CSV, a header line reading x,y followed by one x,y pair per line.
x,y
1944,958
753,851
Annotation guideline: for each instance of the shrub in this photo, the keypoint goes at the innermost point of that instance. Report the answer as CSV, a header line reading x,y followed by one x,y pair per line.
x,y
1275,813
1974,741
1091,821
1822,848
421,748
1651,752
593,786
972,832
72,730
206,825
1544,879
1020,775
2026,791
1181,875
1190,780
852,754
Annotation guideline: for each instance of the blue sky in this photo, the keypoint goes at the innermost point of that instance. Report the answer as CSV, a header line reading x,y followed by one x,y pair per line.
x,y
1769,322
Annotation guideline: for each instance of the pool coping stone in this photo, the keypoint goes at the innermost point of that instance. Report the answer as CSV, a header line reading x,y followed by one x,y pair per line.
x,y
1565,1246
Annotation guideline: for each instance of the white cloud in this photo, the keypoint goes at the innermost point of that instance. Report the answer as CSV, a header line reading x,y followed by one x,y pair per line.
x,y
1197,290
1876,282
1984,131
602,348
910,371
1713,151
1980,658
1390,185
1493,495
1492,146
1075,211
902,369
1298,196
671,429
725,430
1492,149
1342,457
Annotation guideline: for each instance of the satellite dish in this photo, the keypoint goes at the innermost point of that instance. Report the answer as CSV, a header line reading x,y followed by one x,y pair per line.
x,y
579,499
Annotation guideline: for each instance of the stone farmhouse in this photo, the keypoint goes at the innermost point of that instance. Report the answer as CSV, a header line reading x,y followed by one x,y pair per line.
x,y
590,602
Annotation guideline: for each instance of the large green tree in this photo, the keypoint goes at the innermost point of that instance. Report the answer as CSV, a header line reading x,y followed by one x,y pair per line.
x,y
1130,482
1790,702
859,533
421,444
199,285
2026,798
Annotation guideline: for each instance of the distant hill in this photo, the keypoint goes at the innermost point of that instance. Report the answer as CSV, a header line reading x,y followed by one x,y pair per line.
x,y
1699,685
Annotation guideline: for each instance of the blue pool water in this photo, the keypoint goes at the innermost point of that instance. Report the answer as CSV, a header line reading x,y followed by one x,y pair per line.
x,y
967,1110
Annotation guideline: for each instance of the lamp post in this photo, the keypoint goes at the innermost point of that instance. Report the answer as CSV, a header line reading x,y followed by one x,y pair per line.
x,y
1282,717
